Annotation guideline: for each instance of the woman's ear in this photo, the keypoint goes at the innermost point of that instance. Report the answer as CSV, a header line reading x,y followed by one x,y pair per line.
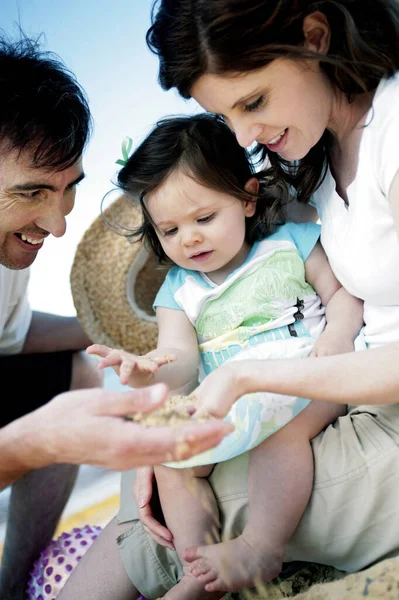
x,y
252,187
317,33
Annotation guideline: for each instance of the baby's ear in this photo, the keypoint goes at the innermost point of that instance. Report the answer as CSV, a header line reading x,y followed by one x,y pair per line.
x,y
252,187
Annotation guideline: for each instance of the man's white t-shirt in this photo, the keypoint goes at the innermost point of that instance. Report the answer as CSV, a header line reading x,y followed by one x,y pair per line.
x,y
361,240
15,313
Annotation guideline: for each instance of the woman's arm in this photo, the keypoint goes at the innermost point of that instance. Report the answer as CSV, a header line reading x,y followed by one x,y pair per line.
x,y
365,377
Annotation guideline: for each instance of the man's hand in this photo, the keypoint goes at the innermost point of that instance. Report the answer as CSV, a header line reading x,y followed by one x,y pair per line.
x,y
87,427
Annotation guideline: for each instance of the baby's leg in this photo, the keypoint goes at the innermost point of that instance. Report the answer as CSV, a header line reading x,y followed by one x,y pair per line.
x,y
192,515
279,487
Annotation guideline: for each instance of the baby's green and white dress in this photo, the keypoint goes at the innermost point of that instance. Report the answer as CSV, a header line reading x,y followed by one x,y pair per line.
x,y
265,309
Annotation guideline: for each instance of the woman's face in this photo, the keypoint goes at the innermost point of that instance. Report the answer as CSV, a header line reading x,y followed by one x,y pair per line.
x,y
286,105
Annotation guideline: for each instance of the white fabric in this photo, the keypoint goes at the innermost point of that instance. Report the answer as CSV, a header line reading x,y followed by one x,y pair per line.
x,y
15,313
361,240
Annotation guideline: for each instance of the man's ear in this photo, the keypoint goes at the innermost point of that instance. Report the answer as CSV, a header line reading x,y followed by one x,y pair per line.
x,y
252,187
317,33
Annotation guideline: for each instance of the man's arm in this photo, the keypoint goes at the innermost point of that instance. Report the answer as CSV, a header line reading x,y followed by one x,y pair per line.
x,y
14,453
53,333
88,427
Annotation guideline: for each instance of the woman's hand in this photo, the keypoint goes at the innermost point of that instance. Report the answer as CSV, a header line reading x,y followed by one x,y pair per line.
x,y
219,390
142,492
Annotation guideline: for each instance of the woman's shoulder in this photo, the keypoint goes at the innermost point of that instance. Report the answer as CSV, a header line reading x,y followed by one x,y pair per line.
x,y
380,137
385,106
388,87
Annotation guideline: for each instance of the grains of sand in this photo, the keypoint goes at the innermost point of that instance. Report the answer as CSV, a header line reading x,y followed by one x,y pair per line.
x,y
177,410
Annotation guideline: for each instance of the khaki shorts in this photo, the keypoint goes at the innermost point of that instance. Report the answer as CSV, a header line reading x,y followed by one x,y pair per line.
x,y
351,521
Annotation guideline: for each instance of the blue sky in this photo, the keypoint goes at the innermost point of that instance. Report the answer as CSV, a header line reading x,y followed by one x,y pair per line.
x,y
103,43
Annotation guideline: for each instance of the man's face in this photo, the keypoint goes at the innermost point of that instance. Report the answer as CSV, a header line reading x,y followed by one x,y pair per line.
x,y
33,204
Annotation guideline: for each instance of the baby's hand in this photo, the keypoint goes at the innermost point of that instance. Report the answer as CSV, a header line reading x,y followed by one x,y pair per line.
x,y
332,342
132,369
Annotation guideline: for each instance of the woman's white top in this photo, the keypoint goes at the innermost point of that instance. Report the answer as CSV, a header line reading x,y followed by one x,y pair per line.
x,y
361,239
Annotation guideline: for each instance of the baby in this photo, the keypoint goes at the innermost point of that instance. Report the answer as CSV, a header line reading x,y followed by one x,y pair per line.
x,y
244,285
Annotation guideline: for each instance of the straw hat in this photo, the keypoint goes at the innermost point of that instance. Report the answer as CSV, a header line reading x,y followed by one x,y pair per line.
x,y
114,282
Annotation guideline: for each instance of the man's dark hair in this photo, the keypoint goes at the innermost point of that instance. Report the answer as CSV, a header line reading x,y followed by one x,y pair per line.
x,y
43,109
203,147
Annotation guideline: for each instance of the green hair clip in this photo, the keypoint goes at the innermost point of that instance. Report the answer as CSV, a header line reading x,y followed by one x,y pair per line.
x,y
126,148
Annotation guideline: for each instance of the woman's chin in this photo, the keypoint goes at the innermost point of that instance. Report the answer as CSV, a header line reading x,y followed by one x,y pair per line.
x,y
292,155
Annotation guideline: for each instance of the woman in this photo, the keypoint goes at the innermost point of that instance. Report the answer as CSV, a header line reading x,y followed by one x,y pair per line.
x,y
315,84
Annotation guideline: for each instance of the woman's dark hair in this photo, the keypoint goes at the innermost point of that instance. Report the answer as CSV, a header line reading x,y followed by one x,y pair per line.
x,y
43,109
194,37
204,148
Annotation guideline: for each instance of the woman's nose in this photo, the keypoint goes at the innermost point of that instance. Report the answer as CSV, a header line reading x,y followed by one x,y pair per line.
x,y
247,134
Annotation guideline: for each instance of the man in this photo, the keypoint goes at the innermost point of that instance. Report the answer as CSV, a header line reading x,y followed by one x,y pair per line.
x,y
52,419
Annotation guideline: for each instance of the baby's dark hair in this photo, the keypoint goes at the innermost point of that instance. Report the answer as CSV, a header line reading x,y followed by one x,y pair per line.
x,y
204,148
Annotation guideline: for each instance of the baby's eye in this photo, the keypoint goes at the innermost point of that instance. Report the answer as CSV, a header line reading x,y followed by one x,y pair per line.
x,y
206,219
171,231
255,105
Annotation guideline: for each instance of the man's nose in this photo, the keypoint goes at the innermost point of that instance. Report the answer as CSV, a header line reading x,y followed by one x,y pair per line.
x,y
52,217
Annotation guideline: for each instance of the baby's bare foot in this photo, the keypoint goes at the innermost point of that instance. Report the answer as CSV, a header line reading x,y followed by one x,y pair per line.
x,y
233,566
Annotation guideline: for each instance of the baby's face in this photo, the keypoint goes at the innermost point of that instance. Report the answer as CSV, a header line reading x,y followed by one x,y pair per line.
x,y
200,228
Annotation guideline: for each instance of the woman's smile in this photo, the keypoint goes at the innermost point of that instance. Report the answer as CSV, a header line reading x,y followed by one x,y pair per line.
x,y
277,144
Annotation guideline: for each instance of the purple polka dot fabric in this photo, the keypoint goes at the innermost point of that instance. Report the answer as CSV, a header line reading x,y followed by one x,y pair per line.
x,y
54,565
